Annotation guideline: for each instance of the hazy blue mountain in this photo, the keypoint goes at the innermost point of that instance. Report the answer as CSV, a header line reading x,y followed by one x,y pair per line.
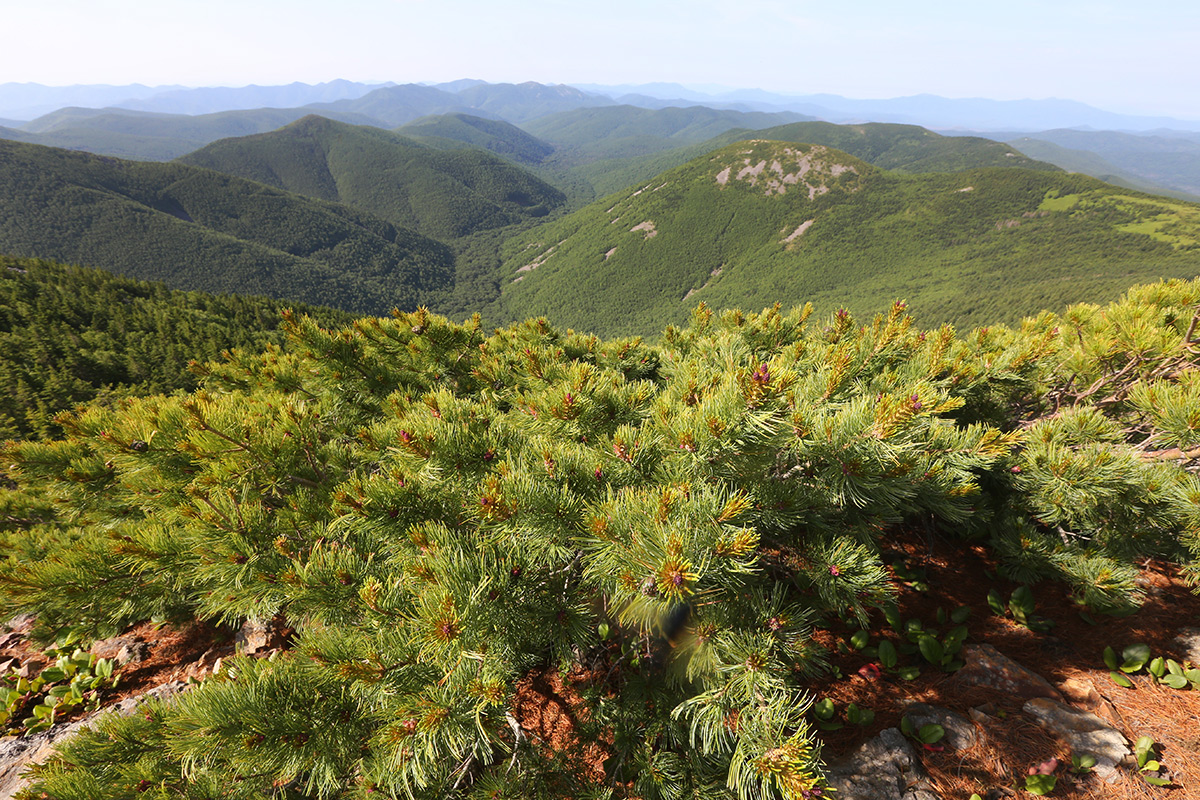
x,y
928,110
1090,163
25,101
1170,161
458,85
396,105
208,100
522,102
147,136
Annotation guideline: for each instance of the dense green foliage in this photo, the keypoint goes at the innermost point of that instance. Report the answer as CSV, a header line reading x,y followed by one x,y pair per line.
x,y
439,193
970,247
196,229
498,136
69,334
449,518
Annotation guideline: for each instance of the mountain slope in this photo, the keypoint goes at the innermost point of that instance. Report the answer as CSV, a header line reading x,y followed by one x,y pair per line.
x,y
500,137
445,194
198,229
761,222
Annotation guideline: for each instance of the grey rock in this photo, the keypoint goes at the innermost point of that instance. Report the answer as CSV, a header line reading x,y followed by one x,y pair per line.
x,y
133,653
960,733
984,665
1187,644
1083,732
884,768
256,636
19,753
111,647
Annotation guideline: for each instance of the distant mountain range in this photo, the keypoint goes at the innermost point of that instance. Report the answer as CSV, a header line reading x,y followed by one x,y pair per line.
x,y
471,197
522,102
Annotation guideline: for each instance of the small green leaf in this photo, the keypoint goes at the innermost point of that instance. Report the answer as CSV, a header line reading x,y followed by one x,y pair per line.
x,y
1021,601
1154,780
892,615
860,639
1174,681
909,673
859,716
995,602
1120,680
1173,667
1157,667
906,727
887,654
960,614
1143,748
1110,658
1135,657
1040,784
53,675
824,709
931,649
931,733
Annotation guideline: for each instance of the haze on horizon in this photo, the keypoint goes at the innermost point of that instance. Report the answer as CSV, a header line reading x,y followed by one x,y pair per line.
x,y
1106,54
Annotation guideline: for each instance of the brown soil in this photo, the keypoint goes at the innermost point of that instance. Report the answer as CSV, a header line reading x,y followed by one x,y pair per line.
x,y
1011,742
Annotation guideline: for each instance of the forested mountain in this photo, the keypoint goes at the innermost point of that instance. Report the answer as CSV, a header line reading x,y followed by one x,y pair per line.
x,y
69,334
589,134
147,136
457,130
761,222
905,148
442,193
197,229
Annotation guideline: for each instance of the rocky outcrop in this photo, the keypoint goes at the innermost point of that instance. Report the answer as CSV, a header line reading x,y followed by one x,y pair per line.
x,y
884,768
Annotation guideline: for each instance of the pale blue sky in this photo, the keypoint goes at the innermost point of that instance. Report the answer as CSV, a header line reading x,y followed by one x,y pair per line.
x,y
1118,56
